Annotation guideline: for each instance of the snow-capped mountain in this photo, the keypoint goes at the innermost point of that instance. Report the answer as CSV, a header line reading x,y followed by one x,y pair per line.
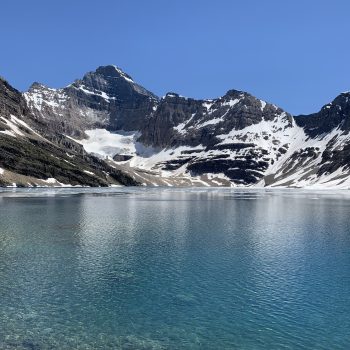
x,y
106,98
321,156
30,157
234,140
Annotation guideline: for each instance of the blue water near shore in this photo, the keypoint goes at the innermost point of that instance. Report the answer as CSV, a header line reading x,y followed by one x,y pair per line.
x,y
174,269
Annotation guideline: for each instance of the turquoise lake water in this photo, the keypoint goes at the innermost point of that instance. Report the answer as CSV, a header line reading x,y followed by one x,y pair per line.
x,y
174,269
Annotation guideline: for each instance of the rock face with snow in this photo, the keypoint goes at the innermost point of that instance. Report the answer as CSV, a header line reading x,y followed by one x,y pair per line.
x,y
232,135
324,157
319,152
27,158
184,121
107,98
236,139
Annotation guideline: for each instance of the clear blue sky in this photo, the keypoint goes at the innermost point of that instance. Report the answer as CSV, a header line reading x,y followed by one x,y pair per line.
x,y
295,53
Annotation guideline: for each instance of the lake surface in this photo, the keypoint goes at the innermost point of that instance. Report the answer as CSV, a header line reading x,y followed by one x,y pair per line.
x,y
174,269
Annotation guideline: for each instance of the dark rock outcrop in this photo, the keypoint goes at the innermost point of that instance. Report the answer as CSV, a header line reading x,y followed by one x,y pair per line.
x,y
332,115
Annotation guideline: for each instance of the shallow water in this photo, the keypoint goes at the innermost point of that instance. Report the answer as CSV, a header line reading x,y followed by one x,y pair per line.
x,y
174,269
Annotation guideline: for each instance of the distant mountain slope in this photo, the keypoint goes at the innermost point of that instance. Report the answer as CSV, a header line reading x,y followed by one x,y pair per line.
x,y
234,140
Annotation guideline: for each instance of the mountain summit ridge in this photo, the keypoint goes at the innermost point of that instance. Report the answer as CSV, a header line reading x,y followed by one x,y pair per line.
x,y
233,140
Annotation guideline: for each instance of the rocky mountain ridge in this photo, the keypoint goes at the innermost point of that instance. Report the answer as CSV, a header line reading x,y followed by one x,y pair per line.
x,y
234,140
29,157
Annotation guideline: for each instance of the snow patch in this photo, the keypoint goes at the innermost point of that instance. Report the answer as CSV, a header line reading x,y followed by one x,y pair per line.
x,y
15,131
95,92
38,98
211,122
126,77
207,104
106,144
231,103
50,180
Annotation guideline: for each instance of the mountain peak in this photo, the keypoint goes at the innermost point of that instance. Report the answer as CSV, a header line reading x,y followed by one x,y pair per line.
x,y
37,85
235,93
113,71
341,101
